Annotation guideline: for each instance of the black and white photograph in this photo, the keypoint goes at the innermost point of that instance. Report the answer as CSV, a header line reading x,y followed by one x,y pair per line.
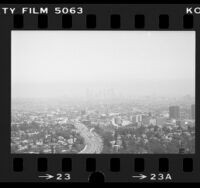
x,y
102,92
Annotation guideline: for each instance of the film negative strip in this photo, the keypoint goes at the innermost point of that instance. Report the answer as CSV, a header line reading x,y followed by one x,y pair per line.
x,y
99,92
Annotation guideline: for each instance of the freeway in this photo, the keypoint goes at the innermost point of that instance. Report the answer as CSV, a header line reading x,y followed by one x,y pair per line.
x,y
93,142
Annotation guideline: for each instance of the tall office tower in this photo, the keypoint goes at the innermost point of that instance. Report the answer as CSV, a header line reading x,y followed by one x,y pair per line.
x,y
174,112
139,118
193,111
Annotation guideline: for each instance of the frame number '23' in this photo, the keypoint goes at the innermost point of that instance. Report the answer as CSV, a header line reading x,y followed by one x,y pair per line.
x,y
60,177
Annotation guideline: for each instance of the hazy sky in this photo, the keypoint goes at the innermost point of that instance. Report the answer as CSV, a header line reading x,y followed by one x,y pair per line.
x,y
69,63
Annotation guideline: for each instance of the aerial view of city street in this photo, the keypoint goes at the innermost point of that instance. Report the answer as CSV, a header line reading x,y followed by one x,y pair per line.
x,y
103,92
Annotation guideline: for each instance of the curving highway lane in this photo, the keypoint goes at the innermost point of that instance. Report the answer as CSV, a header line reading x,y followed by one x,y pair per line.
x,y
93,142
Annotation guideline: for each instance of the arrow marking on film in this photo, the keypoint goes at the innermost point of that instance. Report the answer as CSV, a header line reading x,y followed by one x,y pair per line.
x,y
46,176
140,176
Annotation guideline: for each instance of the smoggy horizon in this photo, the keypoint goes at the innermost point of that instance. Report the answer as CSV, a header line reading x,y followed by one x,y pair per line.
x,y
54,64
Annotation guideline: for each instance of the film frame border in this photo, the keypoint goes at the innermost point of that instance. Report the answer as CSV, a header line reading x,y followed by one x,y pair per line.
x,y
116,167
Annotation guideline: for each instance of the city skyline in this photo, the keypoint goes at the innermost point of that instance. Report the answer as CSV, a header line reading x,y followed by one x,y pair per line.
x,y
131,63
103,92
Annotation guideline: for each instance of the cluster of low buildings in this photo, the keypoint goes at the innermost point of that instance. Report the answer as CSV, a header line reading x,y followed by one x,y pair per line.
x,y
147,133
43,133
155,139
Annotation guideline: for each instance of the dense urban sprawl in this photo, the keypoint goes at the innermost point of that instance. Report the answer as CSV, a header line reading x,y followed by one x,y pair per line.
x,y
128,126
